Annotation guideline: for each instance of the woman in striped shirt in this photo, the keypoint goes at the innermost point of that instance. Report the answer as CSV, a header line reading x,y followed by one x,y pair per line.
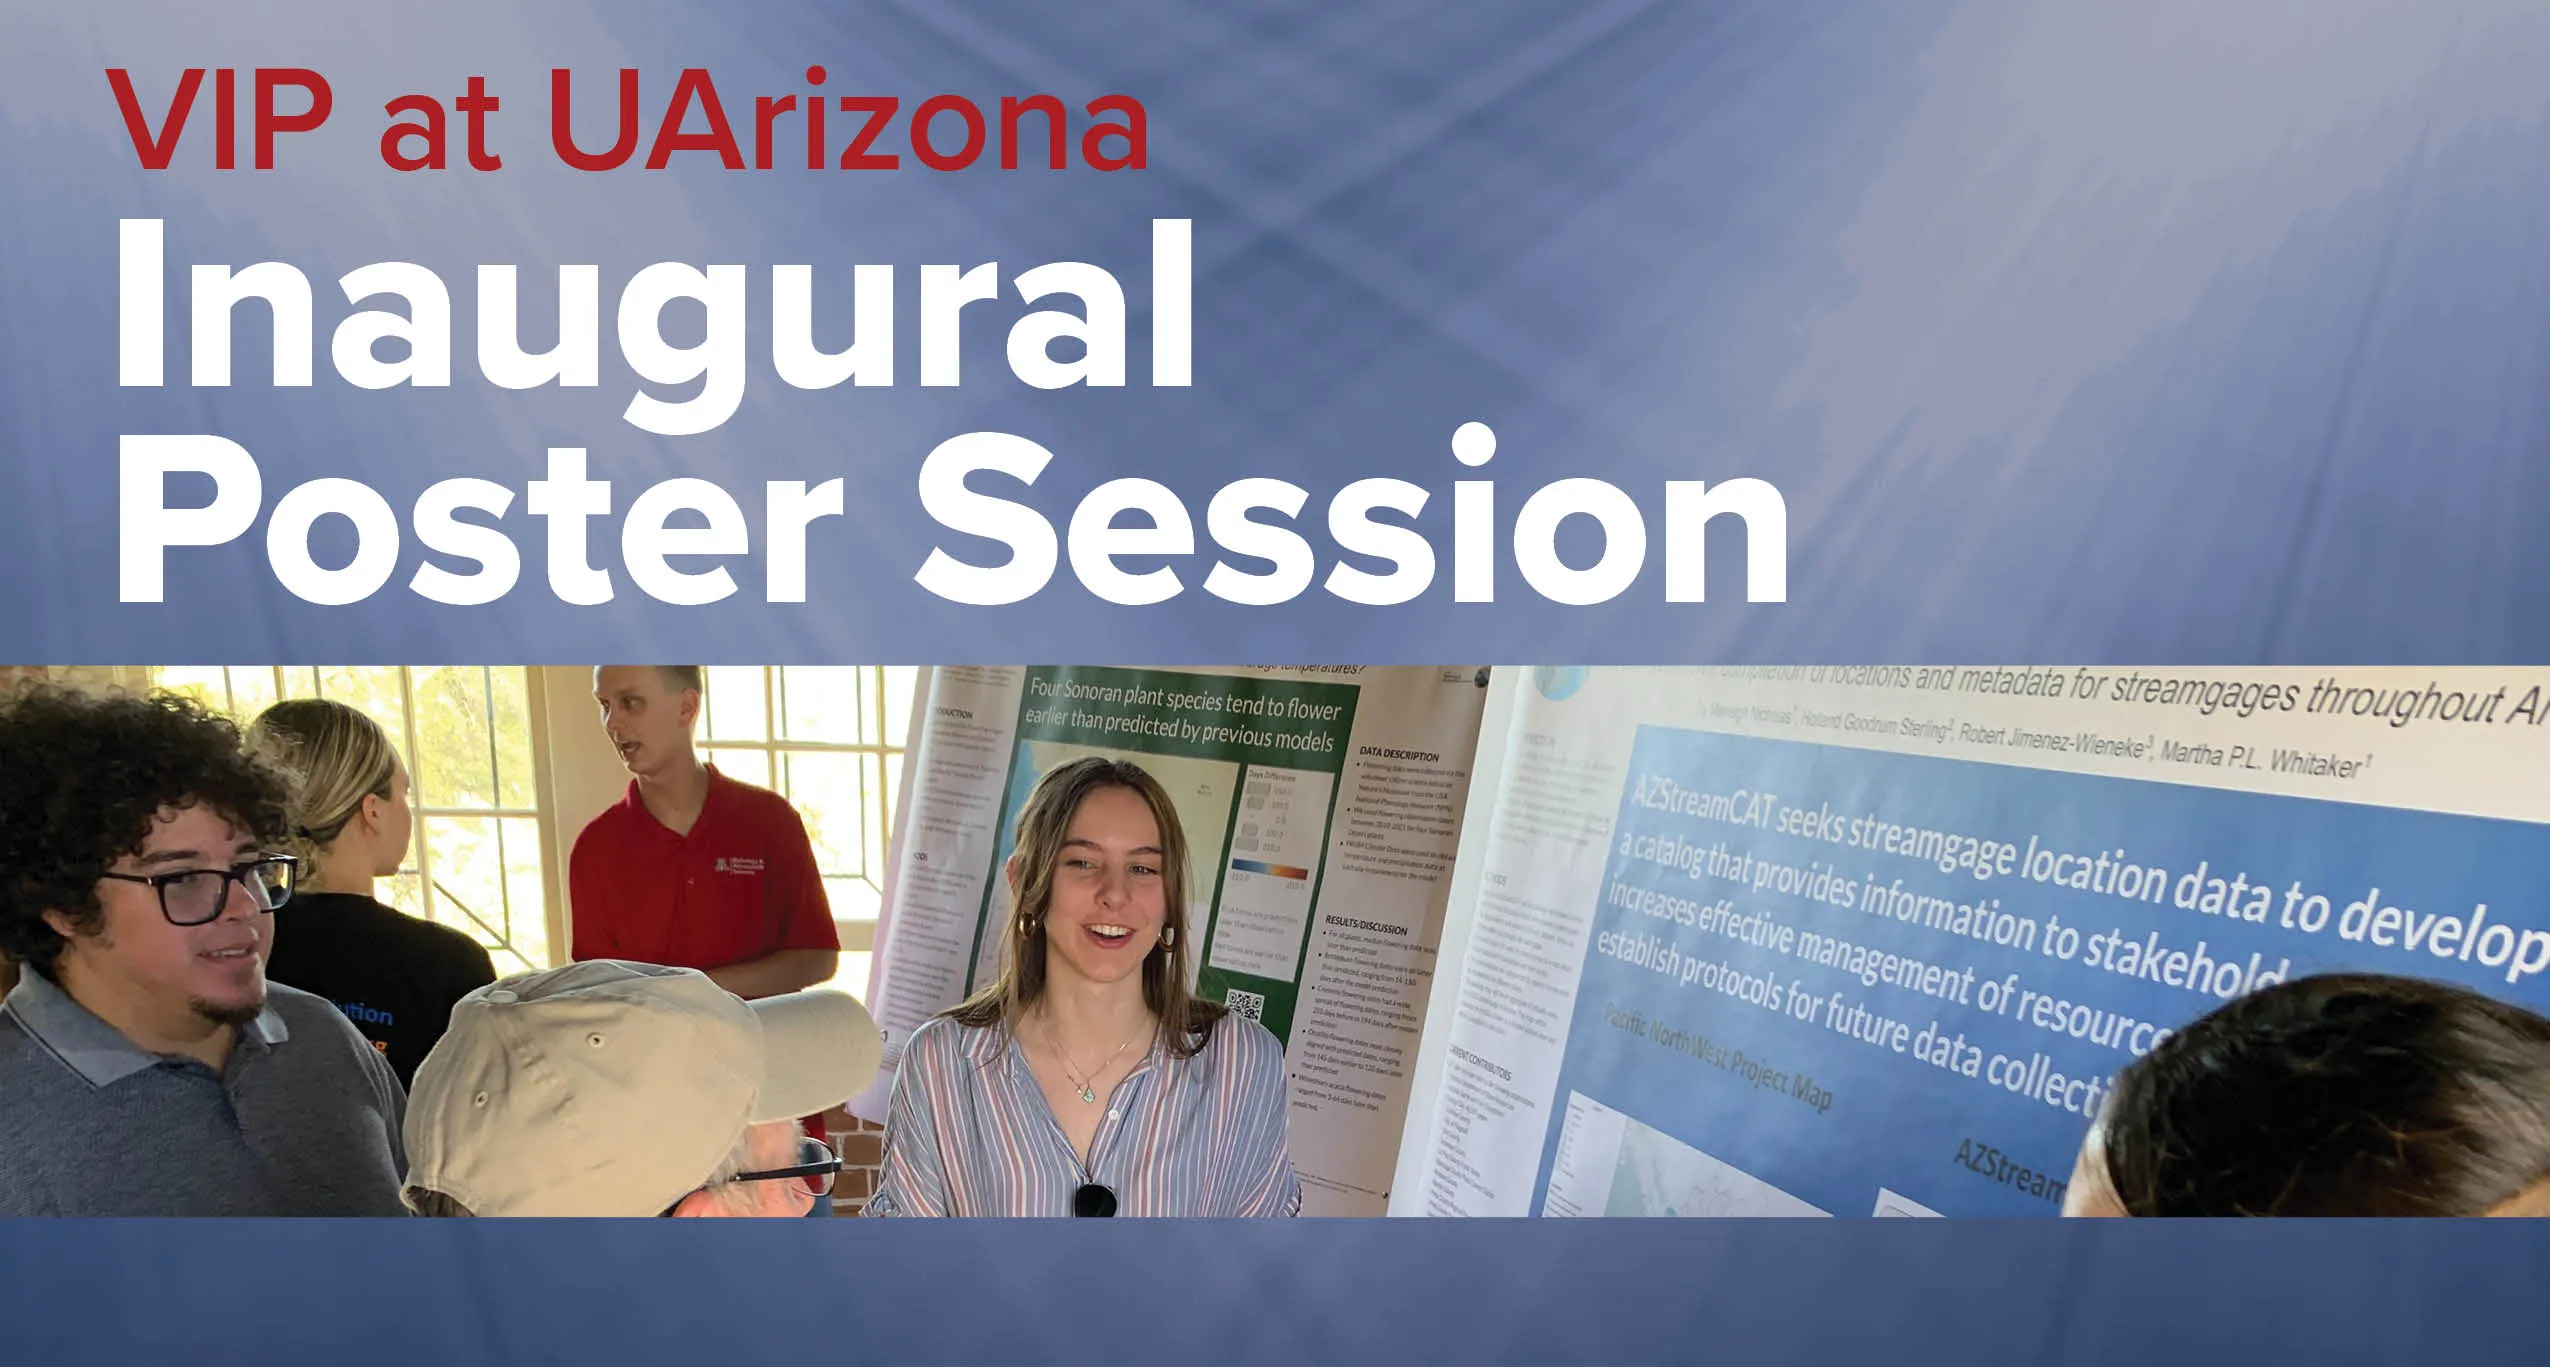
x,y
1088,1080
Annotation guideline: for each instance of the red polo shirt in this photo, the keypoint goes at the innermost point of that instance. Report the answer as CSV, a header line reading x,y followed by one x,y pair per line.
x,y
741,885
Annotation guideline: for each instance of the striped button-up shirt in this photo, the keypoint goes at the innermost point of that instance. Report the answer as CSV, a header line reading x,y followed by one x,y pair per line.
x,y
970,1133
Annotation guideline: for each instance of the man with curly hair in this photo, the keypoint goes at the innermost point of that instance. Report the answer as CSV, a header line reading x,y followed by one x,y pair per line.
x,y
146,1066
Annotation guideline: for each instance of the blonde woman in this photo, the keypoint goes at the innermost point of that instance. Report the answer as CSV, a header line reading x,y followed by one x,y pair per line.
x,y
1087,1080
393,975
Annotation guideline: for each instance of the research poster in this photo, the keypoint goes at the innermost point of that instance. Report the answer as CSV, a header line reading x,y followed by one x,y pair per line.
x,y
1875,942
1322,808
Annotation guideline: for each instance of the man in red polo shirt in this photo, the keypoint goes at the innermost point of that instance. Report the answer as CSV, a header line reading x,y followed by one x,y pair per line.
x,y
693,869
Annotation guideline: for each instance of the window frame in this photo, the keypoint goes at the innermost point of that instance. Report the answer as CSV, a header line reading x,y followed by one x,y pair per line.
x,y
858,933
419,858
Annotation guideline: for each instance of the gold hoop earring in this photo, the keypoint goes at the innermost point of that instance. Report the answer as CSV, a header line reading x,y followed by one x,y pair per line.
x,y
1168,937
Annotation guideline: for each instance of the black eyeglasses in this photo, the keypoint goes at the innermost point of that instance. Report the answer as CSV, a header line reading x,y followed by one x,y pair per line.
x,y
817,1166
1093,1202
195,896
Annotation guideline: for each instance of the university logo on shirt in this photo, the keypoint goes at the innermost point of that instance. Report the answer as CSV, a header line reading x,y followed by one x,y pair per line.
x,y
738,863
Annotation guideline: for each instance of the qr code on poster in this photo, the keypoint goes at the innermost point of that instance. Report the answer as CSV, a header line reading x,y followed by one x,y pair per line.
x,y
1249,1004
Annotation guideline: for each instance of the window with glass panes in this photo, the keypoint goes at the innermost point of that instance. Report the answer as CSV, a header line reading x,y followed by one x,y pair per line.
x,y
829,739
467,734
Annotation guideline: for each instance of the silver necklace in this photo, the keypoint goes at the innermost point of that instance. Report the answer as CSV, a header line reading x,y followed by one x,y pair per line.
x,y
1081,1082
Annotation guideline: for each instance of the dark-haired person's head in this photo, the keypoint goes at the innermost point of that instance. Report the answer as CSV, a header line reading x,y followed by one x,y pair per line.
x,y
133,836
2336,1095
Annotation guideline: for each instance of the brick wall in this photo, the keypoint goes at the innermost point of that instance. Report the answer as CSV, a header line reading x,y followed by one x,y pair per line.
x,y
862,1147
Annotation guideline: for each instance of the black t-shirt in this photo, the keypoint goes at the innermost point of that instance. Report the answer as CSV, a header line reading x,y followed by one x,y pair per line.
x,y
393,975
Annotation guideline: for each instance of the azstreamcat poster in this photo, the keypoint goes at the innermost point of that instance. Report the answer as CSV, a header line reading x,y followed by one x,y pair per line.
x,y
1873,941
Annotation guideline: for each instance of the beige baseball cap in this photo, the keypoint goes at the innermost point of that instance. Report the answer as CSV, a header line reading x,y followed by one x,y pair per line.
x,y
614,1089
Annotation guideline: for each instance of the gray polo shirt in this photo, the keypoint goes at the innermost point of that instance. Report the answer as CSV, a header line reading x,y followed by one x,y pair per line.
x,y
304,1120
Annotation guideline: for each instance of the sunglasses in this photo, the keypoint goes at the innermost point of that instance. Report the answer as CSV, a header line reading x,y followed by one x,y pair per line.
x,y
817,1166
1093,1202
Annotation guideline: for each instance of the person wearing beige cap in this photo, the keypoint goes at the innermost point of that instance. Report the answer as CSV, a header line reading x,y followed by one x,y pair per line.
x,y
607,1088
